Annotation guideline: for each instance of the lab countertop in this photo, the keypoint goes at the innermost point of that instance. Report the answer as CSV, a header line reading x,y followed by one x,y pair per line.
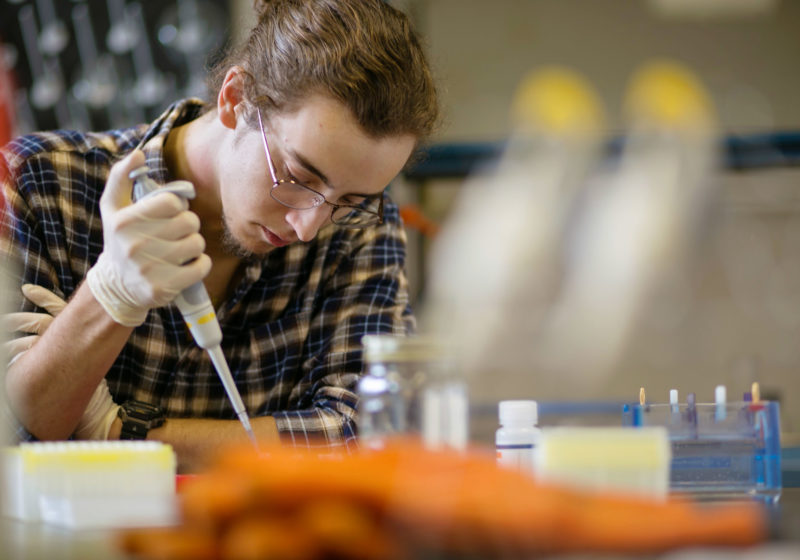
x,y
32,541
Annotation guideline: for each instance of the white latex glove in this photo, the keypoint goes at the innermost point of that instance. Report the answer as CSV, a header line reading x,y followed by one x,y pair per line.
x,y
28,322
145,247
98,416
101,410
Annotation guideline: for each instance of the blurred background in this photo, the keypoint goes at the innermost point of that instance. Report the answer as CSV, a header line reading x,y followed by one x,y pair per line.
x,y
733,318
97,64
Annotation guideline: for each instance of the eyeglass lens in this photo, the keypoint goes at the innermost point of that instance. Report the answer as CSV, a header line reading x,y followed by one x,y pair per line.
x,y
301,197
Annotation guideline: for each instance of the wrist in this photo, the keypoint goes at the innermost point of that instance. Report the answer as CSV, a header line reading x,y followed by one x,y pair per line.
x,y
115,429
103,282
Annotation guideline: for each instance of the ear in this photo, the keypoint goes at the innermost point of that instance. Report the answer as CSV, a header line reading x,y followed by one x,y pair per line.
x,y
231,96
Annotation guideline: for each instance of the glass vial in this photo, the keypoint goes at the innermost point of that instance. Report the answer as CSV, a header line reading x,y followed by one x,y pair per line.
x,y
518,435
382,391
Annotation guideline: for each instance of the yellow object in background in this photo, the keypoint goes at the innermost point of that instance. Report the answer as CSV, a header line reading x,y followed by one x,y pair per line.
x,y
557,101
665,94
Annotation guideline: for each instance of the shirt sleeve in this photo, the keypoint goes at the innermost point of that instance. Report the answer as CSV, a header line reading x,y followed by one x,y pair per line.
x,y
367,293
23,259
32,234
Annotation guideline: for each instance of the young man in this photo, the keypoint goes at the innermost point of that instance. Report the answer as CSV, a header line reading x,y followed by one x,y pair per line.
x,y
301,252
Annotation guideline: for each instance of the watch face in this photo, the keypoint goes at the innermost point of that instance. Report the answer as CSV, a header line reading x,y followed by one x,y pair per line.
x,y
142,410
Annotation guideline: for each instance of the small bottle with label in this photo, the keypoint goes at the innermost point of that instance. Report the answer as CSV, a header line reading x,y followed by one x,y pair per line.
x,y
518,435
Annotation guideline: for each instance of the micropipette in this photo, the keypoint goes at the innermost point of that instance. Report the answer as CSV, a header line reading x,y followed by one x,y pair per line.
x,y
194,302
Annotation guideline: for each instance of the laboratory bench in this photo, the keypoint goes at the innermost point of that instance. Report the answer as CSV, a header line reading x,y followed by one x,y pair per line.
x,y
34,541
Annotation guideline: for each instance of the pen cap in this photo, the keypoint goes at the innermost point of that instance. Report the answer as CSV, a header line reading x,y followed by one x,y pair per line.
x,y
518,413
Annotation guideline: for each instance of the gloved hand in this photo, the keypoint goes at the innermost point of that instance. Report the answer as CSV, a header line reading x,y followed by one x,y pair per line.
x,y
101,410
27,322
145,247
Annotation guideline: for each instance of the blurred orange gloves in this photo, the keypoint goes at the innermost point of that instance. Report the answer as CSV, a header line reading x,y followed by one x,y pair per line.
x,y
409,502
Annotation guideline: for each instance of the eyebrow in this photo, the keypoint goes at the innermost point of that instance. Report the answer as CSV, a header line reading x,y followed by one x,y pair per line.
x,y
310,167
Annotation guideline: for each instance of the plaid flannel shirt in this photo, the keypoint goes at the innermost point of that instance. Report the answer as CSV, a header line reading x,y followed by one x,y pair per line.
x,y
291,331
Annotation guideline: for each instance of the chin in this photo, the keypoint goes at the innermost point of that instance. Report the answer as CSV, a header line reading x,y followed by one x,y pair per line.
x,y
240,247
246,251
241,244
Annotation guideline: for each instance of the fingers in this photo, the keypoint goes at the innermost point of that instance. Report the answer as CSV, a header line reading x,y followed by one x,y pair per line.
x,y
182,225
17,346
192,272
159,206
119,187
158,229
44,298
183,276
176,253
162,215
173,279
26,322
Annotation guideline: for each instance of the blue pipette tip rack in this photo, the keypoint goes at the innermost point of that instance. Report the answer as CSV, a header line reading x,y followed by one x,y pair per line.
x,y
719,450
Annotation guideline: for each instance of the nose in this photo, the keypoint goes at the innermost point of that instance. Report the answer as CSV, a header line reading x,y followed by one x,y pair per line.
x,y
306,223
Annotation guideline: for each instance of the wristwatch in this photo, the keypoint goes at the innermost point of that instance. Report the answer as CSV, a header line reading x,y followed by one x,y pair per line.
x,y
138,418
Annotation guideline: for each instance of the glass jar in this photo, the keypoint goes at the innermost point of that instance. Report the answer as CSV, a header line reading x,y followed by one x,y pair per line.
x,y
409,389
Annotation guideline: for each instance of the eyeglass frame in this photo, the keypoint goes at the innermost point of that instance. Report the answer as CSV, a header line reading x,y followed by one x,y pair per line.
x,y
277,182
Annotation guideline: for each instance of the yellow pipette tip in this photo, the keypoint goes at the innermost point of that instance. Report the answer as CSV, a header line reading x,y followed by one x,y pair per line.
x,y
666,94
556,100
642,399
755,392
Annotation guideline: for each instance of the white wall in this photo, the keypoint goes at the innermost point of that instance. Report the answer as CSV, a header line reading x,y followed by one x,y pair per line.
x,y
481,50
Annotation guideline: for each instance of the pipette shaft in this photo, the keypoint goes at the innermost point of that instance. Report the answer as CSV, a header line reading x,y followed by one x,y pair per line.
x,y
221,365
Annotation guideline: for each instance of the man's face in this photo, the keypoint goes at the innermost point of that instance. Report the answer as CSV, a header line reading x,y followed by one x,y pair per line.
x,y
321,146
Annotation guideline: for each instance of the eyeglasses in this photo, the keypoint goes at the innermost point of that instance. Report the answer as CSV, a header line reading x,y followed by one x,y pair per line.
x,y
298,196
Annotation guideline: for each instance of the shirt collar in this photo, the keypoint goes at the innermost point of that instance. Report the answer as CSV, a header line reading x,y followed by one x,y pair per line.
x,y
152,143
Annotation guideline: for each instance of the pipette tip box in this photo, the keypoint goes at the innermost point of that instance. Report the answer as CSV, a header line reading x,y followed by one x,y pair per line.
x,y
727,450
89,484
602,458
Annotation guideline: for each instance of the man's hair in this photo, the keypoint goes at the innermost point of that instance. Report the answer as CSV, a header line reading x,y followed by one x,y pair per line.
x,y
362,53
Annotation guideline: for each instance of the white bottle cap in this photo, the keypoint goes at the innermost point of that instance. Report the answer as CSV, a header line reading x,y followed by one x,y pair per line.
x,y
518,413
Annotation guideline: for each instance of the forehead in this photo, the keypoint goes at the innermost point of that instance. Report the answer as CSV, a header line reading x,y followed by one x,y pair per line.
x,y
318,114
324,133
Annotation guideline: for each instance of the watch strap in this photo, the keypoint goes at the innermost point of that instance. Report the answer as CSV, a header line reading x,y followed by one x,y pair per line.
x,y
138,418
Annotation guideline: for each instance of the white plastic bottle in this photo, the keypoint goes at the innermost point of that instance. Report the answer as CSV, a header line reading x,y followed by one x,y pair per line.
x,y
518,435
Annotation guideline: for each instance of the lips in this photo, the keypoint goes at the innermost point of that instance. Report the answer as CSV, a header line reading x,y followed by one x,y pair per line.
x,y
273,239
